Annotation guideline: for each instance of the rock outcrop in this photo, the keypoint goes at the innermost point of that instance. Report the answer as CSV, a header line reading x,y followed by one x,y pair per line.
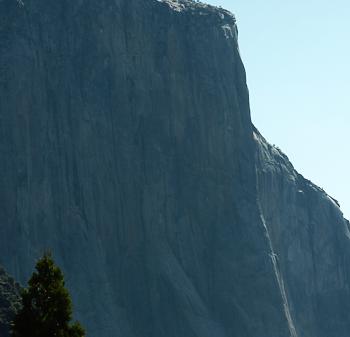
x,y
310,238
9,302
127,149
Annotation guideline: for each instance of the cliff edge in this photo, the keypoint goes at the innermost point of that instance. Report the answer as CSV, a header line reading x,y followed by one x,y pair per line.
x,y
127,149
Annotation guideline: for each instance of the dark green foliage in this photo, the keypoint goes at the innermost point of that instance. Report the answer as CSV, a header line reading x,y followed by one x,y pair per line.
x,y
10,302
47,307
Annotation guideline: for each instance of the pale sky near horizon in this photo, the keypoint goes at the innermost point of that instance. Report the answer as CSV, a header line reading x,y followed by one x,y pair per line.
x,y
297,58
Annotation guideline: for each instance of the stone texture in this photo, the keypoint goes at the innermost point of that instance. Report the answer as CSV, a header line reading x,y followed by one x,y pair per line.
x,y
127,149
311,240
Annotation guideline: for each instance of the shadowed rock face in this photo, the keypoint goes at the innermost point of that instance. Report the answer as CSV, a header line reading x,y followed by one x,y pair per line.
x,y
9,302
127,148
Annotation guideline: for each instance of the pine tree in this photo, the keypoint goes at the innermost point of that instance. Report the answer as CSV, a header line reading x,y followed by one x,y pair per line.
x,y
46,305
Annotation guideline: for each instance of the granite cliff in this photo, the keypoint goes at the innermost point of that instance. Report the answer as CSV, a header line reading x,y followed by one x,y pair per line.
x,y
127,148
310,239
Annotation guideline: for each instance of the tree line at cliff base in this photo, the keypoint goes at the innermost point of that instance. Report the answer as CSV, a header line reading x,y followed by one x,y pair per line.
x,y
46,308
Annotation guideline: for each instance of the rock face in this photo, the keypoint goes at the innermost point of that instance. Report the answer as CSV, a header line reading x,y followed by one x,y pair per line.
x,y
127,149
310,238
9,302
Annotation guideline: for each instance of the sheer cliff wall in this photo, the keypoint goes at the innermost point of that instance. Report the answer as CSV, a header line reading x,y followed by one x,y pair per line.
x,y
311,242
127,149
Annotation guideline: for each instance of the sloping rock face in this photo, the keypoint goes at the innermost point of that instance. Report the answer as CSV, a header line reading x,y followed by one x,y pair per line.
x,y
9,302
310,238
127,149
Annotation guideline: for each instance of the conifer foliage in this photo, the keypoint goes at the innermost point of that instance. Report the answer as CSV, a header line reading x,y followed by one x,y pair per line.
x,y
46,305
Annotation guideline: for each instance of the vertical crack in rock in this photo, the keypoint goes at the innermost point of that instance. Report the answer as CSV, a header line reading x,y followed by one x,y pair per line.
x,y
279,277
127,148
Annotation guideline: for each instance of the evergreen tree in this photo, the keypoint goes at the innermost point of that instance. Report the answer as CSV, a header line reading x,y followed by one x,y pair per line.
x,y
46,305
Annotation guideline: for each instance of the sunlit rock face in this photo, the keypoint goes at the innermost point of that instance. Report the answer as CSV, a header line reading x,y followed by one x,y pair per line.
x,y
127,149
311,242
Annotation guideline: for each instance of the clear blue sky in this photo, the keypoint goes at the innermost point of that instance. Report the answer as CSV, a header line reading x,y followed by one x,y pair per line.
x,y
297,57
